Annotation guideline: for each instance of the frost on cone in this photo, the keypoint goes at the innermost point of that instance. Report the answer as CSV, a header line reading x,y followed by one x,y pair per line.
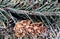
x,y
25,27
